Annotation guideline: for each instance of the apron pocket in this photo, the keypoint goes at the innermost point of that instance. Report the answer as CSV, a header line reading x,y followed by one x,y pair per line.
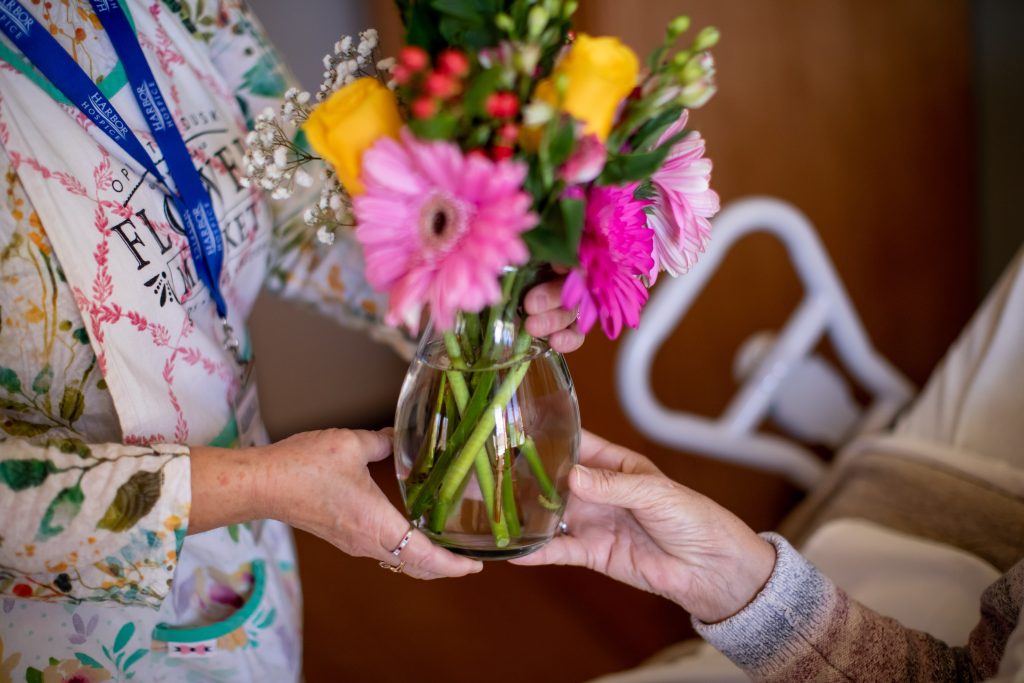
x,y
237,631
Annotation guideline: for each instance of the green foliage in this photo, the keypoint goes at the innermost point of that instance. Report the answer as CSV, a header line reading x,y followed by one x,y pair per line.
x,y
557,238
123,636
439,127
133,501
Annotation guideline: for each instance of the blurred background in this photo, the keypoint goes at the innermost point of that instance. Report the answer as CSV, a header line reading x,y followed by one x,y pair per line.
x,y
894,125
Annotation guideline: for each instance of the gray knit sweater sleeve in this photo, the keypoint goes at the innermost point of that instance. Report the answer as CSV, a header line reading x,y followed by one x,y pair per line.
x,y
801,627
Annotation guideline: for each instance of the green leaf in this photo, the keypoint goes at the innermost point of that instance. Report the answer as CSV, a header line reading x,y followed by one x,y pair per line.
x,y
54,660
133,501
626,168
560,142
62,510
25,474
72,404
439,127
480,89
123,636
33,675
134,657
41,384
23,428
9,380
233,532
648,134
573,214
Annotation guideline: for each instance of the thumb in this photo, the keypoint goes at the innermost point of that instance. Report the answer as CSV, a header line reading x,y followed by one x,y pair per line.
x,y
375,446
607,487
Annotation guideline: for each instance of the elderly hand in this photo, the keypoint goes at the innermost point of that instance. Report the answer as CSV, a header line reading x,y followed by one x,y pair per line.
x,y
318,482
547,318
629,521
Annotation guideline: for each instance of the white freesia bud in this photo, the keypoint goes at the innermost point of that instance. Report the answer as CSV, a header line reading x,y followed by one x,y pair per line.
x,y
537,113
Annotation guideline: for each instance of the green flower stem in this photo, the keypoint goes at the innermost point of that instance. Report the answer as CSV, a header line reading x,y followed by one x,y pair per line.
x,y
547,489
508,497
464,460
496,518
458,382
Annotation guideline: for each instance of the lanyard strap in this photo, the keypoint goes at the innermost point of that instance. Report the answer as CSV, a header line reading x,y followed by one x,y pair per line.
x,y
192,197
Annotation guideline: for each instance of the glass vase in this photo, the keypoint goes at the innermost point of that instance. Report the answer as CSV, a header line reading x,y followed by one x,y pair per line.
x,y
486,432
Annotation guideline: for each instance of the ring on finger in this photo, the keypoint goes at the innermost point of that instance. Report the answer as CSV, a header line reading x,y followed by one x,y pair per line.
x,y
397,568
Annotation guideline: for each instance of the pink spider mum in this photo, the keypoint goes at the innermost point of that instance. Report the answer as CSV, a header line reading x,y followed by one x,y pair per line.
x,y
683,204
615,252
437,227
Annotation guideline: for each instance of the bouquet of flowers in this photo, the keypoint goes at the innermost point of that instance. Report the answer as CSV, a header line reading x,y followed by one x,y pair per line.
x,y
497,148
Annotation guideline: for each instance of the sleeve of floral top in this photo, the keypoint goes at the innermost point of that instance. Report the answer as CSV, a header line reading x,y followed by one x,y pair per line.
x,y
78,520
326,276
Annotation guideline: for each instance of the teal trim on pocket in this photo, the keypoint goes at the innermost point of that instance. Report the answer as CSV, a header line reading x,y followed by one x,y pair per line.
x,y
174,634
108,85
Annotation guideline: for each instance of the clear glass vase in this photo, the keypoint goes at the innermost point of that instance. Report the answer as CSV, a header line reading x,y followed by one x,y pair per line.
x,y
486,431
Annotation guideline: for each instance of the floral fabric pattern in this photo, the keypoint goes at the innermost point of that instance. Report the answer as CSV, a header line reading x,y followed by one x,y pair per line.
x,y
93,549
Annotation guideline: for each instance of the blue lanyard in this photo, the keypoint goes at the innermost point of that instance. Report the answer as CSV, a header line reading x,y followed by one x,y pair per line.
x,y
192,198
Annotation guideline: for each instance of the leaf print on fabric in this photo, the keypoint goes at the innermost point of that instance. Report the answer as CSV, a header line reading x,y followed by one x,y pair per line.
x,y
61,511
16,406
7,665
23,428
133,501
82,630
9,380
24,474
41,384
264,78
72,404
84,669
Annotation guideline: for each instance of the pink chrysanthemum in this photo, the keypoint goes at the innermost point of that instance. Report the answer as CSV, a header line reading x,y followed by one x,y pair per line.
x,y
683,204
437,227
615,252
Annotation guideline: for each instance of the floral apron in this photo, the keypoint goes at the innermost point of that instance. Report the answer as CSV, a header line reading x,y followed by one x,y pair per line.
x,y
233,613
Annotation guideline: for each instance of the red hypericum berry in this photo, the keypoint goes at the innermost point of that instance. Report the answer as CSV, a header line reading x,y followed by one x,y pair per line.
x,y
440,85
22,590
501,152
453,62
401,74
508,132
414,58
424,107
502,105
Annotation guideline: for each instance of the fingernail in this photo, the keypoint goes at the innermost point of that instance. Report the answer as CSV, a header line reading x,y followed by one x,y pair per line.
x,y
584,479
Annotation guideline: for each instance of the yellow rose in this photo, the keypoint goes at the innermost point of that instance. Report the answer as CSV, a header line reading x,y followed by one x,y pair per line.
x,y
349,123
599,73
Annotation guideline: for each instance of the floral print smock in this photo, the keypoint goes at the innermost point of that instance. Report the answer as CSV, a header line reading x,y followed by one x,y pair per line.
x,y
111,363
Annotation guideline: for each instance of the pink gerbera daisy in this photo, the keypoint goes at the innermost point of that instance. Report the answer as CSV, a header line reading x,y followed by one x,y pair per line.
x,y
615,252
683,203
437,227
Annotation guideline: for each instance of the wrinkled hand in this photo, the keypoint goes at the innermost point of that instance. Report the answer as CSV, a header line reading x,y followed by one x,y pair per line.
x,y
547,318
629,521
319,482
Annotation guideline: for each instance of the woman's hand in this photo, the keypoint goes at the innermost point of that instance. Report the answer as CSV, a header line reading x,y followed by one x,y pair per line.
x,y
317,482
547,318
628,520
